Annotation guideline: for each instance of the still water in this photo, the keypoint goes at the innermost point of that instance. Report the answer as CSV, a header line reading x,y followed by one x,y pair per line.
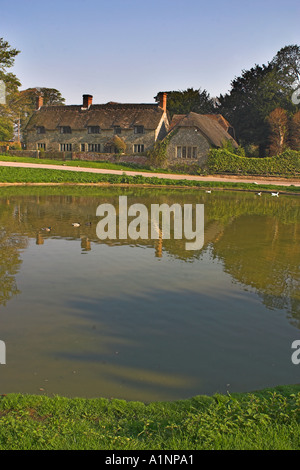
x,y
147,320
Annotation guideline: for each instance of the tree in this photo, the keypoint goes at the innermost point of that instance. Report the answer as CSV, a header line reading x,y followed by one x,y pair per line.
x,y
183,102
6,129
7,58
278,122
287,62
23,102
11,82
295,131
51,96
257,92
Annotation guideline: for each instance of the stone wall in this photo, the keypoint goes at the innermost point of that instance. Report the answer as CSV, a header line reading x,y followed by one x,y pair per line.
x,y
53,139
88,156
188,137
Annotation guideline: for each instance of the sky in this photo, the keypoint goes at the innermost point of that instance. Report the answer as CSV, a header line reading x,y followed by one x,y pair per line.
x,y
129,50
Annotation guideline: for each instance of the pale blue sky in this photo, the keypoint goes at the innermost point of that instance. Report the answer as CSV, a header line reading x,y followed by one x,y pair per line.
x,y
128,50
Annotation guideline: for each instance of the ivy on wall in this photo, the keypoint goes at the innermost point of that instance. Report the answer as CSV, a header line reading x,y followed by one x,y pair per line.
x,y
158,154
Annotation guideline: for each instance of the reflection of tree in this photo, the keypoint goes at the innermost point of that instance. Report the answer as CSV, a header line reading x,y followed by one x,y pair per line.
x,y
9,264
11,242
264,253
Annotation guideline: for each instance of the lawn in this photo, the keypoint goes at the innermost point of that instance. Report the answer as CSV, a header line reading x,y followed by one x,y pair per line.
x,y
83,164
264,420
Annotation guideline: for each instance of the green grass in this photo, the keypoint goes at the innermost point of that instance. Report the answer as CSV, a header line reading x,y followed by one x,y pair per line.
x,y
39,175
265,420
83,164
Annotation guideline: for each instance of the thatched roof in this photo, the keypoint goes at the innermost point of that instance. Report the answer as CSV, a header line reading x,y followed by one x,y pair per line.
x,y
213,127
104,115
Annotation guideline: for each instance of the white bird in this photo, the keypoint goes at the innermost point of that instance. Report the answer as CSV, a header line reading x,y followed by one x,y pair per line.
x,y
76,224
208,192
258,194
275,194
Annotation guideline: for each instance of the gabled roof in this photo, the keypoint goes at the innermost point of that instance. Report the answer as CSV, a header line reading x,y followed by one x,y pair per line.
x,y
208,124
104,115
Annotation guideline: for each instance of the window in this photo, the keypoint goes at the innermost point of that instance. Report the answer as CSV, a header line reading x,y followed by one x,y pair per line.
x,y
65,147
82,147
41,146
187,152
93,130
139,129
40,130
117,130
94,147
138,148
65,130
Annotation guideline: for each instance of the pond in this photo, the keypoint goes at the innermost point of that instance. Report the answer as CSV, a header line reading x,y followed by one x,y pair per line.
x,y
147,319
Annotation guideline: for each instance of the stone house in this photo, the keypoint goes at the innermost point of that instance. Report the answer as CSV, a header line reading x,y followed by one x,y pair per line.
x,y
191,136
96,127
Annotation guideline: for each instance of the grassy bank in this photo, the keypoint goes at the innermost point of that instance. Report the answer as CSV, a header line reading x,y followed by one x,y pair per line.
x,y
40,175
265,420
83,164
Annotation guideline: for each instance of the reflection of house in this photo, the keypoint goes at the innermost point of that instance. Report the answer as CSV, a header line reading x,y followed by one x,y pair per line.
x,y
93,127
191,136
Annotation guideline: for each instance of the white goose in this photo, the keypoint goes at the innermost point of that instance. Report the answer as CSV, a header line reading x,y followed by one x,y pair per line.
x,y
275,194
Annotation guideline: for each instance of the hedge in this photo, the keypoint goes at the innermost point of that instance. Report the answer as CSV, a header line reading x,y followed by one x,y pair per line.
x,y
223,161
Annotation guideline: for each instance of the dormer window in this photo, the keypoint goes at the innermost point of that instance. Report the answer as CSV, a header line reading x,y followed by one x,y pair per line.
x,y
139,129
117,130
65,130
93,129
40,130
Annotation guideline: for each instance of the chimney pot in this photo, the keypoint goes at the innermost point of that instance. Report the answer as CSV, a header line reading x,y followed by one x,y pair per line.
x,y
87,101
163,100
39,102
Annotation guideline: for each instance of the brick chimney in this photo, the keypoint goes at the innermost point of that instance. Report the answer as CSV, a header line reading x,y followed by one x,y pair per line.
x,y
87,101
163,100
39,102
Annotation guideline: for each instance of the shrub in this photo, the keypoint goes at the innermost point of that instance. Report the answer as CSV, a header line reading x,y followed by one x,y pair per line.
x,y
223,161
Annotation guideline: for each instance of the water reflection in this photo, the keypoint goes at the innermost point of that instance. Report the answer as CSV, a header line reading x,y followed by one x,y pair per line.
x,y
12,242
148,319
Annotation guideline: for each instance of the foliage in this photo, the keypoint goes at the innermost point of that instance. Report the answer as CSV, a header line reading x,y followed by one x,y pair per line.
x,y
278,122
119,144
7,55
257,92
24,102
6,129
266,420
295,131
7,115
223,161
158,154
185,101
